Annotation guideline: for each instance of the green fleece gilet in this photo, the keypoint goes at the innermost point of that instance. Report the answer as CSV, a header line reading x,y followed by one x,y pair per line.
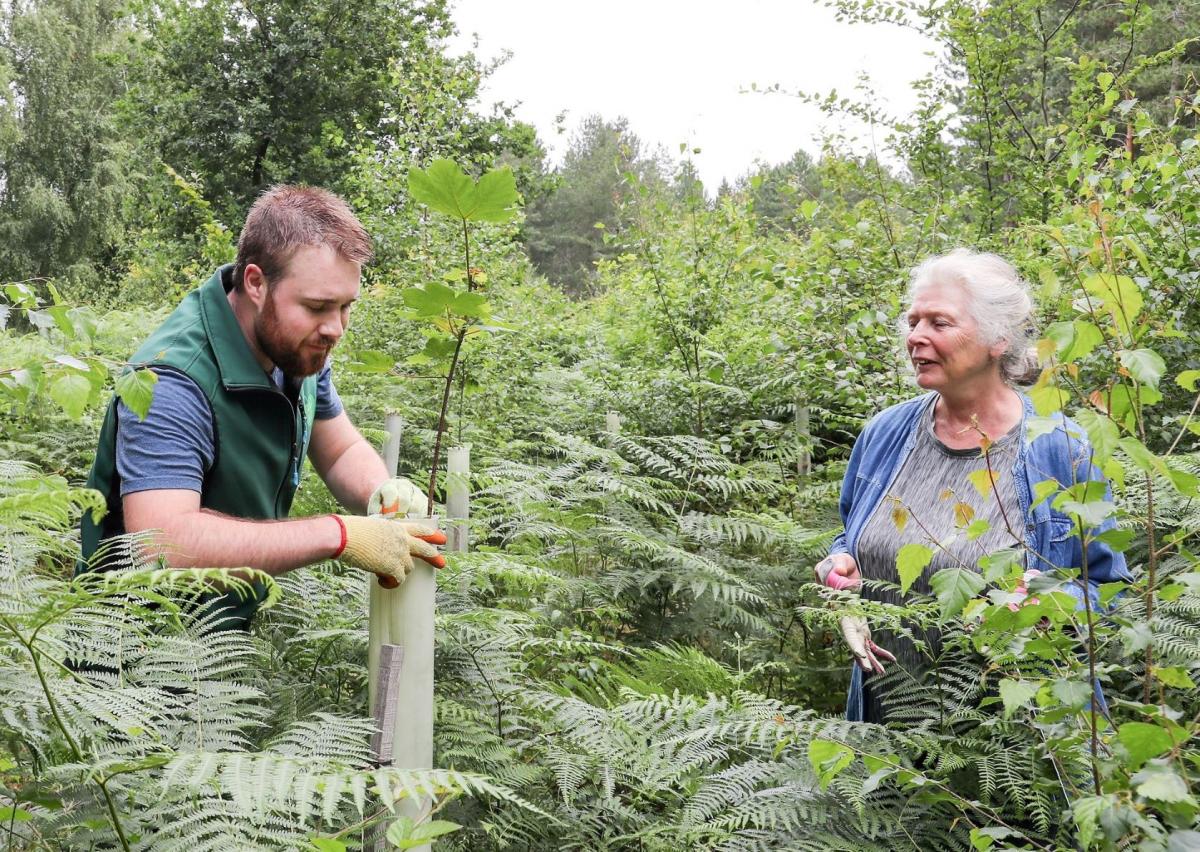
x,y
260,433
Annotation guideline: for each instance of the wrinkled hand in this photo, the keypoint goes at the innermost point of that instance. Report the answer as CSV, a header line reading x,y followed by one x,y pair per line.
x,y
386,547
838,571
866,653
394,497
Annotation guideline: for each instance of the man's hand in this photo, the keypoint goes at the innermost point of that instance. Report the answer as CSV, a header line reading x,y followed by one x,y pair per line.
x,y
866,653
394,497
838,571
386,547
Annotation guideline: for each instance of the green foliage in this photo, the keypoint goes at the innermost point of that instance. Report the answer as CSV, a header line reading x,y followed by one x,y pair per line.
x,y
633,655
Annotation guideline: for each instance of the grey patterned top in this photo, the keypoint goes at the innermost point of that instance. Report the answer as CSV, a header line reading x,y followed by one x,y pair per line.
x,y
932,502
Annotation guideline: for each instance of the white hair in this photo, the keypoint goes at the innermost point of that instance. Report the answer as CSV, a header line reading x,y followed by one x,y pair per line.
x,y
998,299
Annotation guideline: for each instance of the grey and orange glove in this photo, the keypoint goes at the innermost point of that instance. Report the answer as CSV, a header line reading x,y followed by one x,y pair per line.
x,y
386,547
840,571
866,653
394,497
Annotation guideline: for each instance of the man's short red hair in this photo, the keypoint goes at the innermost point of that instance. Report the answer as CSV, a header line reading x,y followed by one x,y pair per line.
x,y
285,218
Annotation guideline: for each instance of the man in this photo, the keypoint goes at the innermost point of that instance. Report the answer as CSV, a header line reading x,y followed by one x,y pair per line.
x,y
243,392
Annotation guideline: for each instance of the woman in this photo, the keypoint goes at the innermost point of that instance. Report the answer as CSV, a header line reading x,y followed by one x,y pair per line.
x,y
968,331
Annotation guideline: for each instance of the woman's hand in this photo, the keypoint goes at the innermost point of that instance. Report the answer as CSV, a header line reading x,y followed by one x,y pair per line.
x,y
838,571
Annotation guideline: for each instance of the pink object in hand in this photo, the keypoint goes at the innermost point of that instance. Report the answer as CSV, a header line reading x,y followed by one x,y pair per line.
x,y
839,582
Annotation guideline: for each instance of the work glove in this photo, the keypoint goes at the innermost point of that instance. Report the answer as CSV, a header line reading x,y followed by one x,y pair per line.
x,y
394,497
866,653
386,547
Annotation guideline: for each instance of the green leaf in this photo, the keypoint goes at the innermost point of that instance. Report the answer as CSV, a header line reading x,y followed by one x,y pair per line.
x,y
1036,427
1072,693
1043,490
327,844
1139,455
12,813
136,390
982,480
1143,741
431,300
828,759
998,563
495,196
371,361
1145,365
471,305
1048,399
1187,380
403,834
984,839
910,562
954,587
446,188
1161,785
1174,676
1120,296
1102,432
1074,340
71,391
1087,812
1016,694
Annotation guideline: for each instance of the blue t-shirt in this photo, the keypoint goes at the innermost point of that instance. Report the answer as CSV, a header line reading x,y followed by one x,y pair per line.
x,y
173,446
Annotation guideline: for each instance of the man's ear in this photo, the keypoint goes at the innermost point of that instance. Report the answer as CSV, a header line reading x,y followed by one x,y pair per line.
x,y
254,284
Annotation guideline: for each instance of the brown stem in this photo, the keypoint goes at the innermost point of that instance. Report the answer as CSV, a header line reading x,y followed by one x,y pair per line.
x,y
449,385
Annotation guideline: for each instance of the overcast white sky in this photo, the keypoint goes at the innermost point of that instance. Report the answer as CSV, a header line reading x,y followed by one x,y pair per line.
x,y
676,70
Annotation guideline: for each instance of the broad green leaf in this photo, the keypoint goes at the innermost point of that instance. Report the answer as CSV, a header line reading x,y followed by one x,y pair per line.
x,y
1161,785
11,813
982,480
495,196
1072,693
976,528
443,186
1043,490
136,390
71,391
1086,501
371,361
1074,340
1086,812
1186,379
999,563
1048,399
1016,694
1143,741
828,759
954,587
1121,298
911,560
1139,455
431,300
1145,365
470,305
446,188
1175,676
1036,427
1101,431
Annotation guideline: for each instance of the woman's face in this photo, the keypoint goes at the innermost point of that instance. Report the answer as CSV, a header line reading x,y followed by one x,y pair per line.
x,y
943,341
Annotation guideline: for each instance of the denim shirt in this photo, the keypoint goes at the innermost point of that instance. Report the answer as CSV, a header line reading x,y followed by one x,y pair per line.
x,y
1063,455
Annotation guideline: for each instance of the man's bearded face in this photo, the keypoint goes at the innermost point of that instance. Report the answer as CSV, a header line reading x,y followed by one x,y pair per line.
x,y
297,355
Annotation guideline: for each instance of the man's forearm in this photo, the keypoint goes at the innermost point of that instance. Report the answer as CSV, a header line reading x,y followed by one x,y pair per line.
x,y
355,475
206,539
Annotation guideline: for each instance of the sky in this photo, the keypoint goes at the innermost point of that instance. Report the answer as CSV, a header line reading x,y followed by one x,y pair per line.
x,y
680,71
